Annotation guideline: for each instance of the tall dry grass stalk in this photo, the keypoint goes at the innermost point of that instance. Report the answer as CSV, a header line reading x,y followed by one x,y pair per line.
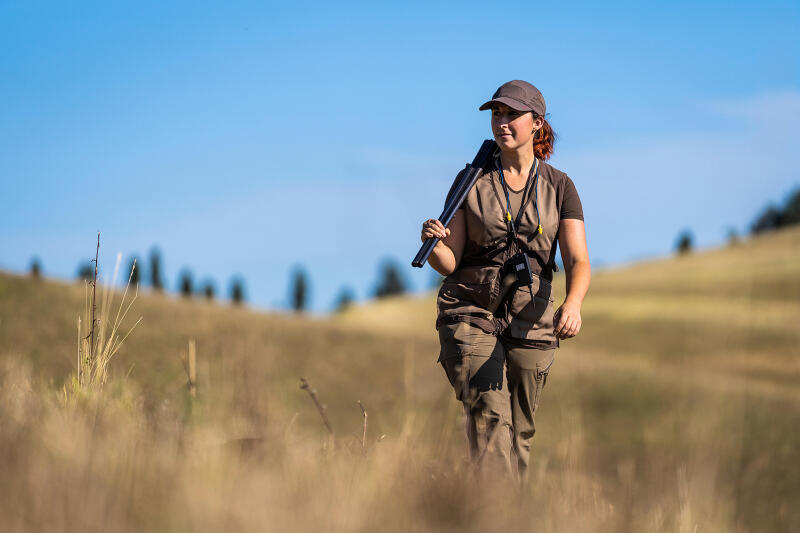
x,y
190,366
364,433
100,341
312,392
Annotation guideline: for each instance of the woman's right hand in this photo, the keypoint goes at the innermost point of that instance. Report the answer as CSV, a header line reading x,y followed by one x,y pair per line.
x,y
433,228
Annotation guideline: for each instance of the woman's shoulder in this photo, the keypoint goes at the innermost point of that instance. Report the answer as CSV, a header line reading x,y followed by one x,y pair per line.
x,y
556,176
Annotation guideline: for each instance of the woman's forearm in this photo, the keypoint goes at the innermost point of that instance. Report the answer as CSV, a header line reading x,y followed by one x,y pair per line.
x,y
442,259
579,273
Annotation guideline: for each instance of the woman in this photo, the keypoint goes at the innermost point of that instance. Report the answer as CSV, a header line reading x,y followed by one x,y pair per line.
x,y
498,331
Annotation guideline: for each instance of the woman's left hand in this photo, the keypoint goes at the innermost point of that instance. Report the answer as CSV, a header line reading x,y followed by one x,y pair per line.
x,y
567,320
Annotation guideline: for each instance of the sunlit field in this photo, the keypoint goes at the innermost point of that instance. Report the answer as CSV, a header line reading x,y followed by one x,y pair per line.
x,y
677,408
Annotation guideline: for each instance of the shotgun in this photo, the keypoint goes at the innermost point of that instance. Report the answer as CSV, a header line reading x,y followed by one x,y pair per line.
x,y
460,188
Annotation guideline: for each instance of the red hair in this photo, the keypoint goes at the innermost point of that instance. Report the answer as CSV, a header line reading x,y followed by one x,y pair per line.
x,y
544,141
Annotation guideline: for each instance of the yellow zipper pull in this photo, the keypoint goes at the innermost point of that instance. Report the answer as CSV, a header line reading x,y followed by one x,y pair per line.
x,y
539,229
508,216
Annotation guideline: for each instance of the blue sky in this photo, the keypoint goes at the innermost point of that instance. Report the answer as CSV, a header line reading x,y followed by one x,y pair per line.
x,y
254,138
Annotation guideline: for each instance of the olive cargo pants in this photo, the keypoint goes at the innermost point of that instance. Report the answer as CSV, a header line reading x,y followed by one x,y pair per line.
x,y
499,380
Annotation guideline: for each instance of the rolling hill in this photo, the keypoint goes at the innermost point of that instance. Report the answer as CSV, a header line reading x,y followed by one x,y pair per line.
x,y
675,408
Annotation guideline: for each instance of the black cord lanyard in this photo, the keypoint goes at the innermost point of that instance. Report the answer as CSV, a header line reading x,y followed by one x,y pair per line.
x,y
533,173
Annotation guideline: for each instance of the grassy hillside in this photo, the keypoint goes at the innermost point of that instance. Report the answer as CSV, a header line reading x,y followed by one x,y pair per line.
x,y
675,408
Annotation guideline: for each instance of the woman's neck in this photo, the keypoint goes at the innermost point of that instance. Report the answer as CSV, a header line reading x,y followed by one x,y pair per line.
x,y
517,162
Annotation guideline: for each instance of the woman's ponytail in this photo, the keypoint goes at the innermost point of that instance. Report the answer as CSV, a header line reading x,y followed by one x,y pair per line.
x,y
544,141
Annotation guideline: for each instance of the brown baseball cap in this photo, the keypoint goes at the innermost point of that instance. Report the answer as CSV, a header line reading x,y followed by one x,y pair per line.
x,y
519,95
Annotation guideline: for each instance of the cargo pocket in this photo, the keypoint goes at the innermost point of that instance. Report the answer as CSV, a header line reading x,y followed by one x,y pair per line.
x,y
461,339
542,371
472,359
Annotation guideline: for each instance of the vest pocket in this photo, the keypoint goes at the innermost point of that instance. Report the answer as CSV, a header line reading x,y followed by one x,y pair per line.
x,y
467,290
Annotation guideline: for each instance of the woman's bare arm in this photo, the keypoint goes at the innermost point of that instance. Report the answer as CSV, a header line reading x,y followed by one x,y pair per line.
x,y
574,253
446,255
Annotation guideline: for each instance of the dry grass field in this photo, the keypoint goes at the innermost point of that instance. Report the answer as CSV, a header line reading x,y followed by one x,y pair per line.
x,y
677,408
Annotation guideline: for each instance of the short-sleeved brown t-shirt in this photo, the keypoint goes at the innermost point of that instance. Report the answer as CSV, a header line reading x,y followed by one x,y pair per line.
x,y
571,206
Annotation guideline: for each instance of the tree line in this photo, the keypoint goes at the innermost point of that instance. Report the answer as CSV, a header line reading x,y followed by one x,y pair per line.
x,y
152,276
777,216
391,282
772,217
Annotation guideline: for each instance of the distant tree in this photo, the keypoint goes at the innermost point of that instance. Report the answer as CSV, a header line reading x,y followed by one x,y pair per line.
x,y
185,283
390,280
791,213
770,218
774,217
299,290
684,243
86,271
156,280
344,300
733,236
237,290
135,273
209,290
36,268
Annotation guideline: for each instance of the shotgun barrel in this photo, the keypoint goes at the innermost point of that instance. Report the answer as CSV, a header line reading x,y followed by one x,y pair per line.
x,y
460,190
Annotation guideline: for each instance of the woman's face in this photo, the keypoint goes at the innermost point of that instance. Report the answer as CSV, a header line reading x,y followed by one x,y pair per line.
x,y
513,129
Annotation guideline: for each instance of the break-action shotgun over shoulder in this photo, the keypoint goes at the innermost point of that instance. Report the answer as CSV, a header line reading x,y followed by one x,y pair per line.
x,y
460,188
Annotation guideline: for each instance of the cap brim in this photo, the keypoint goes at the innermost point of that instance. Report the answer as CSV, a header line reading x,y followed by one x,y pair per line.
x,y
510,102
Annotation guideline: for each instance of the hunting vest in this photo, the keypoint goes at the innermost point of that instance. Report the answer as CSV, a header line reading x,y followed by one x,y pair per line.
x,y
466,294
